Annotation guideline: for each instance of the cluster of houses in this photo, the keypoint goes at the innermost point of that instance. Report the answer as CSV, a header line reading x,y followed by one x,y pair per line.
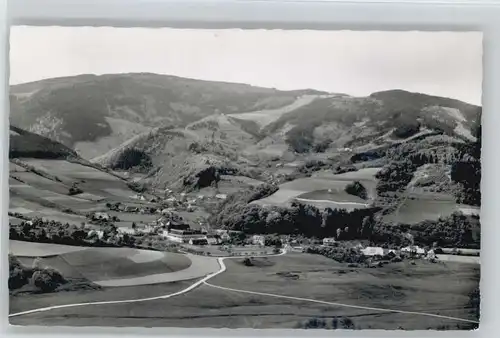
x,y
373,251
170,226
413,250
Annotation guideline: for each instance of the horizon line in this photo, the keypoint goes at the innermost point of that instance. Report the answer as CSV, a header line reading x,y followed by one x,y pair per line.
x,y
242,83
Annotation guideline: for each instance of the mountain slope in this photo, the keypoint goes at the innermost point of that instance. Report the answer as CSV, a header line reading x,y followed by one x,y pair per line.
x,y
178,155
26,144
339,122
79,111
367,126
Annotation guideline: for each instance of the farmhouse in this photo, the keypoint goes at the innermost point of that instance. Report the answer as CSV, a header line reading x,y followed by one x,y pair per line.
x,y
183,236
125,230
431,255
373,251
213,239
329,241
223,235
146,229
258,240
294,247
414,250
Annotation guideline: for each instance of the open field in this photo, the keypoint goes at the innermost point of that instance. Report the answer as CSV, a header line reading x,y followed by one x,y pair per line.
x,y
418,209
396,286
265,117
69,169
334,196
424,287
459,259
320,182
200,267
323,204
126,218
92,181
115,266
32,249
20,303
38,196
336,199
39,182
210,307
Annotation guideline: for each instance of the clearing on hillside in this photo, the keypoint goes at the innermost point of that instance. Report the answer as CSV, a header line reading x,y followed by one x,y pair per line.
x,y
424,207
265,117
311,189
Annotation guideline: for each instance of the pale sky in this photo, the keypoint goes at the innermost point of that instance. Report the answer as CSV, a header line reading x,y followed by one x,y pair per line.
x,y
352,62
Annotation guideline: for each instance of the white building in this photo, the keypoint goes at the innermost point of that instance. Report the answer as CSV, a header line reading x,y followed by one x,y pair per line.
x,y
414,250
171,200
329,241
183,236
373,251
146,229
125,230
221,196
258,240
431,255
213,239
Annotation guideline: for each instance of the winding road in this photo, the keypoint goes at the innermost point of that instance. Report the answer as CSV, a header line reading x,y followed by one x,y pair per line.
x,y
221,270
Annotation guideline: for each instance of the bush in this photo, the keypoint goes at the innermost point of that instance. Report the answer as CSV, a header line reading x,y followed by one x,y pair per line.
x,y
340,254
137,187
300,140
321,147
345,169
407,129
356,189
315,323
18,274
347,323
131,158
248,262
74,191
47,280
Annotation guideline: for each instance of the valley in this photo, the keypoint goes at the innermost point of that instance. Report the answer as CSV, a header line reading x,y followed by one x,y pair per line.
x,y
155,196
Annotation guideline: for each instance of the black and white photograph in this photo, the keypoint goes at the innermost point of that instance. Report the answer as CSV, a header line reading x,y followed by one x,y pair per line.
x,y
244,178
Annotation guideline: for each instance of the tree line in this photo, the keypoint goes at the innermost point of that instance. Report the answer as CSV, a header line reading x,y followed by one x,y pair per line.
x,y
456,230
41,231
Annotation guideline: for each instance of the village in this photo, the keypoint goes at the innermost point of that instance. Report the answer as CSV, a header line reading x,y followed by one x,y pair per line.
x,y
198,237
